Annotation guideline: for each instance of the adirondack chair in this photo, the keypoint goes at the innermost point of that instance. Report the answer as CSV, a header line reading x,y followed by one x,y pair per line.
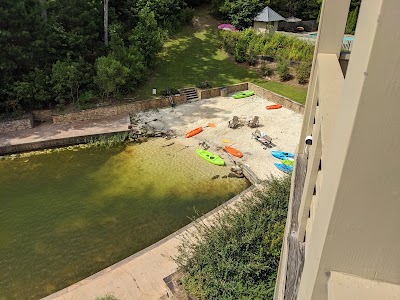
x,y
263,138
234,123
254,123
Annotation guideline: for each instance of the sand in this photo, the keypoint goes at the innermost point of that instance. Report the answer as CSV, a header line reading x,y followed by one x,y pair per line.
x,y
282,125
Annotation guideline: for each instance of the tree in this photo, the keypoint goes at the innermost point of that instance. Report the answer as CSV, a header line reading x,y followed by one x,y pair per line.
x,y
130,57
110,75
242,12
106,23
35,90
352,21
66,77
147,37
283,70
303,72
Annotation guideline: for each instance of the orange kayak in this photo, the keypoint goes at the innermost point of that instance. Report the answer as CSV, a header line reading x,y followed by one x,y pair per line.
x,y
194,132
233,151
275,106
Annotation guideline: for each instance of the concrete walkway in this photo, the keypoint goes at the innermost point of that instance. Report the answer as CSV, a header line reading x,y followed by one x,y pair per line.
x,y
46,132
141,275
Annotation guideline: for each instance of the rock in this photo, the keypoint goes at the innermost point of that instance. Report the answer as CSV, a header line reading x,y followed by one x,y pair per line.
x,y
215,177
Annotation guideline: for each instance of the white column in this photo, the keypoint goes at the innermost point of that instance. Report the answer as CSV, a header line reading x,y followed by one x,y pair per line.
x,y
357,222
329,41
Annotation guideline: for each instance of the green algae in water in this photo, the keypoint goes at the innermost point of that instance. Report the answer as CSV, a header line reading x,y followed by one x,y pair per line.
x,y
68,214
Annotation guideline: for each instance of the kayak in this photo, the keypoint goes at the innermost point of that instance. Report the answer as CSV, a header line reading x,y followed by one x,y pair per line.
x,y
210,157
243,94
284,168
288,162
282,155
233,151
275,106
194,132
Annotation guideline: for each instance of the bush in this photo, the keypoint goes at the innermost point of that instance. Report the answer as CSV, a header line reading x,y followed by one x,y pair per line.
x,y
303,72
229,40
107,297
240,52
252,59
237,257
204,85
265,70
274,45
169,92
283,70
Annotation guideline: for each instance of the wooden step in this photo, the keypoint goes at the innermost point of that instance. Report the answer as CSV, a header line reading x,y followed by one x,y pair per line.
x,y
191,93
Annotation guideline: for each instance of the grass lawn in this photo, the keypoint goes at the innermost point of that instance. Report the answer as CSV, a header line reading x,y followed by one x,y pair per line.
x,y
194,55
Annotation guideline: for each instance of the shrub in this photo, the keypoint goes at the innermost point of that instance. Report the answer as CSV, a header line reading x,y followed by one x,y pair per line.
x,y
204,85
110,74
303,72
252,59
240,52
265,70
107,297
274,45
229,40
169,91
283,70
237,257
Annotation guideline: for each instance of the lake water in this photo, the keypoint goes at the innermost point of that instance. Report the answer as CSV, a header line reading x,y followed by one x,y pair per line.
x,y
68,214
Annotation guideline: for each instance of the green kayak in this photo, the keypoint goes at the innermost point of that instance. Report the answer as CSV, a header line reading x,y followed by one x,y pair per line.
x,y
288,162
243,94
212,158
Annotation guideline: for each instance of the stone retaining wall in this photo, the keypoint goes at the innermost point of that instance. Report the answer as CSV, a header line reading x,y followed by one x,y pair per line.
x,y
209,93
108,111
271,96
24,123
216,92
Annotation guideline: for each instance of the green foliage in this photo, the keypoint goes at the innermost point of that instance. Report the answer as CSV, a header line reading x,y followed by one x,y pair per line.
x,y
147,37
46,39
265,70
303,72
86,99
204,85
240,12
229,40
352,21
276,45
34,90
245,37
199,50
110,75
237,257
107,297
66,78
168,91
129,57
252,59
283,70
107,141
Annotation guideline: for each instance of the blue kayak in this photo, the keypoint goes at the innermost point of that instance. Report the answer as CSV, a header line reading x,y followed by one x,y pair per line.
x,y
282,155
284,168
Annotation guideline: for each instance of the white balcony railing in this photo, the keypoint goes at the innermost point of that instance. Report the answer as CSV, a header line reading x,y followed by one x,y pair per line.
x,y
324,103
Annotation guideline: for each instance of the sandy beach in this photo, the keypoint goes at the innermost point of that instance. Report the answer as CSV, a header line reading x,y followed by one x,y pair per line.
x,y
282,125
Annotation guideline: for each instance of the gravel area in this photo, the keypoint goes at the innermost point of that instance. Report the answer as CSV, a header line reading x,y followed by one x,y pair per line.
x,y
282,125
